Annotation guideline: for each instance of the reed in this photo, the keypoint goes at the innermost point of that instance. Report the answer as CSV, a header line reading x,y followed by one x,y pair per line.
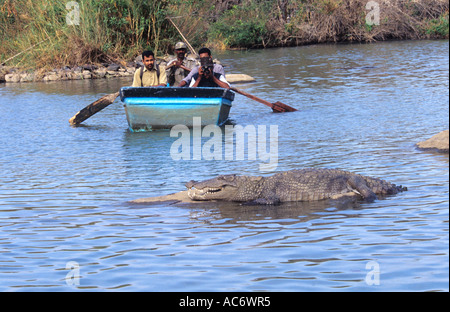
x,y
106,30
118,30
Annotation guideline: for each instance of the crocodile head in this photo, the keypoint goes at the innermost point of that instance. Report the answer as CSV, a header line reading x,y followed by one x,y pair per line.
x,y
228,187
224,187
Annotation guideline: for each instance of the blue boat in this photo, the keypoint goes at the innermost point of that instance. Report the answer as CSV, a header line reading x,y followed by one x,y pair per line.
x,y
149,108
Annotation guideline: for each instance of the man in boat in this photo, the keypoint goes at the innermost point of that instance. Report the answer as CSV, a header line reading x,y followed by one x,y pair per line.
x,y
151,74
206,77
178,68
203,52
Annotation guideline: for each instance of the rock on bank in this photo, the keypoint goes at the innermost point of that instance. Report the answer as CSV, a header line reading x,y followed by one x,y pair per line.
x,y
15,75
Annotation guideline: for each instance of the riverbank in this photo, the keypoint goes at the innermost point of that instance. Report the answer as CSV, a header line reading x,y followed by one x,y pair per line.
x,y
89,71
12,74
106,71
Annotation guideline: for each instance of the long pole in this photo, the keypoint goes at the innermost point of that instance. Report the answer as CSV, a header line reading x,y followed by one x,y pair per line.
x,y
184,38
277,107
13,57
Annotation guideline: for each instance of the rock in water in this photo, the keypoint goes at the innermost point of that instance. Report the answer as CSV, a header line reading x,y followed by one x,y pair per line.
x,y
439,142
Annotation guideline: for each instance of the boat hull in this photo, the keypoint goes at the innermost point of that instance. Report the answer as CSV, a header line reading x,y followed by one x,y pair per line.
x,y
151,108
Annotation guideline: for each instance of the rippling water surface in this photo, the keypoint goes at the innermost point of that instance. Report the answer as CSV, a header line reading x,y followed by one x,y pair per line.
x,y
66,222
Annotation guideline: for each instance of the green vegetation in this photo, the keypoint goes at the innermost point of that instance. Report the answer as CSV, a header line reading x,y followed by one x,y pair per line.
x,y
242,26
439,26
103,30
118,30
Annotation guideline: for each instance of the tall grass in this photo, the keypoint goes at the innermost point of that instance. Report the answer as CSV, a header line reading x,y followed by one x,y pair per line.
x,y
270,23
107,30
116,30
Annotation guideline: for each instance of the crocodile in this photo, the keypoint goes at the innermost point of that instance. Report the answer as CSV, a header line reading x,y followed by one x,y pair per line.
x,y
295,185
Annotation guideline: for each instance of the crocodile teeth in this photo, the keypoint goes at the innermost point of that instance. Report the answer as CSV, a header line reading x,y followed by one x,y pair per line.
x,y
212,190
194,193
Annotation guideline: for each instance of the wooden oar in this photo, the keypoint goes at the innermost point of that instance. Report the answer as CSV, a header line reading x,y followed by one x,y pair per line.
x,y
277,107
93,108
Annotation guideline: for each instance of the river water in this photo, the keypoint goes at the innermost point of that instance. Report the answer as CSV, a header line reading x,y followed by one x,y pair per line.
x,y
66,221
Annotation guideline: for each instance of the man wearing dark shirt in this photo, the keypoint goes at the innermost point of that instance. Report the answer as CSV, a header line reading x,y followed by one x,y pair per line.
x,y
203,52
206,77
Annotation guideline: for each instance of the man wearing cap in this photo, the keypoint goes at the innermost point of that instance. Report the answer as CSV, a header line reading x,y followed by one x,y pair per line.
x,y
178,68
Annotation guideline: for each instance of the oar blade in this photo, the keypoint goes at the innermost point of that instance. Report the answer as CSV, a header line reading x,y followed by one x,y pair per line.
x,y
279,107
93,108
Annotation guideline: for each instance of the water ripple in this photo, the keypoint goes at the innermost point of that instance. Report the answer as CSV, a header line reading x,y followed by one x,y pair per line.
x,y
64,190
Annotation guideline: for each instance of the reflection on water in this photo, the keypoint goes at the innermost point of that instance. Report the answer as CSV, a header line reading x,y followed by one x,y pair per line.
x,y
65,190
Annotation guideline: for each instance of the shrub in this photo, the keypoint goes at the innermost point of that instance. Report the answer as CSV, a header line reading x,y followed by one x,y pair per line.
x,y
439,27
241,26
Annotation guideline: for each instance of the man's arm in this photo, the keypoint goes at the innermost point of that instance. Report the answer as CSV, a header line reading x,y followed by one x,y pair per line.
x,y
185,68
221,82
136,79
187,80
162,77
195,81
219,69
177,64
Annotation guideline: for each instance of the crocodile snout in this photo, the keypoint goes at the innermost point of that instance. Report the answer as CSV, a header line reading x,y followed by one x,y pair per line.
x,y
190,184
